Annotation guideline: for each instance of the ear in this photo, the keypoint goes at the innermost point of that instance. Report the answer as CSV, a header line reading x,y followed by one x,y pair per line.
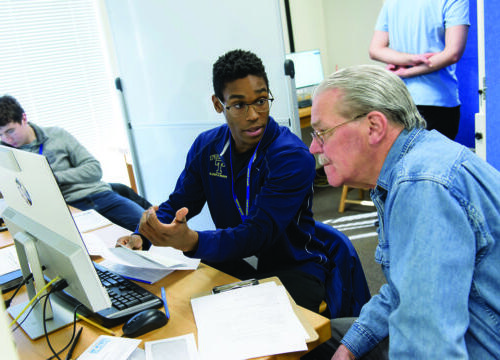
x,y
24,121
377,127
217,105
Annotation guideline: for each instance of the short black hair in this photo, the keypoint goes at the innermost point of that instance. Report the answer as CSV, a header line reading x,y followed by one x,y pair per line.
x,y
10,110
234,65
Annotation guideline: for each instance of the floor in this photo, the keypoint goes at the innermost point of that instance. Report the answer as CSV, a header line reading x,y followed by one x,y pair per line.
x,y
357,222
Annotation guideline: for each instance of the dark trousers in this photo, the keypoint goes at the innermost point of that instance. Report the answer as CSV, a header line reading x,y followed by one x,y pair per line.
x,y
305,289
340,326
443,119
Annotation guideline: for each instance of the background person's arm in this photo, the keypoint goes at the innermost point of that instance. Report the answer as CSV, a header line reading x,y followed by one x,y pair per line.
x,y
409,65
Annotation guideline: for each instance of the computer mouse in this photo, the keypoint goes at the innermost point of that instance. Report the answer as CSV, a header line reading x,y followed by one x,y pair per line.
x,y
144,322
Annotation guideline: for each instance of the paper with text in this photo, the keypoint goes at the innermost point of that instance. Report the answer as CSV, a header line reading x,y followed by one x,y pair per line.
x,y
247,322
110,348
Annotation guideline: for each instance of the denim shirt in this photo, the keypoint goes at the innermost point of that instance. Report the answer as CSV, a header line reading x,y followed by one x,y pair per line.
x,y
438,206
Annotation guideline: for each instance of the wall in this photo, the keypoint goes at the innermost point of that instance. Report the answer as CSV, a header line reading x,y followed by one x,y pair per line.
x,y
349,28
338,28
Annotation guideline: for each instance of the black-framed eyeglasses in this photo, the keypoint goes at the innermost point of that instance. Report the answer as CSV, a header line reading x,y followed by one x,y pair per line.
x,y
320,135
240,109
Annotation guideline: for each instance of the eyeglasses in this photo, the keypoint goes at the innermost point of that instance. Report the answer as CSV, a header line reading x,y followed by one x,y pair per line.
x,y
320,135
241,109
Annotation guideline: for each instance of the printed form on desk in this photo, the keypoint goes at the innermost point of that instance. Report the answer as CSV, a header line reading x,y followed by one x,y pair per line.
x,y
247,322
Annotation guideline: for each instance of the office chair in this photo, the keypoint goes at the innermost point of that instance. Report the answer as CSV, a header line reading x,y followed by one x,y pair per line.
x,y
346,287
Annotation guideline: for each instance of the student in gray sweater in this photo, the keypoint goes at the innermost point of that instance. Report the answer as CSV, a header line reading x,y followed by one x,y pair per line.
x,y
77,172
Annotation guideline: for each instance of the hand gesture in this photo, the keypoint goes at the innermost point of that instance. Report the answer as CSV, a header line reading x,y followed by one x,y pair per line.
x,y
176,234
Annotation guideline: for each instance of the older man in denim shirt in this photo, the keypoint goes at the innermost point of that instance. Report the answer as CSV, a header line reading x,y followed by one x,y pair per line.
x,y
439,214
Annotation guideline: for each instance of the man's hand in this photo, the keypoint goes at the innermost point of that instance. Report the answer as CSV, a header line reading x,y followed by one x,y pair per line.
x,y
176,234
133,242
343,353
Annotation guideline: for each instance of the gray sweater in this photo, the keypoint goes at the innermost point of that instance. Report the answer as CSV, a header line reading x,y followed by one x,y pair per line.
x,y
76,170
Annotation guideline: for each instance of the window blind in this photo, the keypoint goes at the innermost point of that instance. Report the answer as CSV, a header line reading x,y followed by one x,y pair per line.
x,y
53,60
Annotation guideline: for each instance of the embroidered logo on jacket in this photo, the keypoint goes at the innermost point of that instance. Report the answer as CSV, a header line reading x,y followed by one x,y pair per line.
x,y
217,166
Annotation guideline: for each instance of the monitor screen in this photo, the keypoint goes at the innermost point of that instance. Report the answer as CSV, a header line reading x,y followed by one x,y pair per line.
x,y
308,68
45,233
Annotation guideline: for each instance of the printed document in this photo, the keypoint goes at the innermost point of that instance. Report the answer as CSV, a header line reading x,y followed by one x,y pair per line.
x,y
247,322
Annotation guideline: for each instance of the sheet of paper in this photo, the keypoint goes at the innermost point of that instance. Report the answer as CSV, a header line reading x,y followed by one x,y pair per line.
x,y
247,322
156,258
94,244
8,260
110,348
89,220
180,347
138,354
183,262
146,275
125,256
99,240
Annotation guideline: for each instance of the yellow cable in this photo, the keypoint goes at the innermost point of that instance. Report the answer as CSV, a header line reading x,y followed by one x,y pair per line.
x,y
110,332
34,298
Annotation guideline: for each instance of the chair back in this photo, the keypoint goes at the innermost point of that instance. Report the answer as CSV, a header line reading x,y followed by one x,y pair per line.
x,y
346,287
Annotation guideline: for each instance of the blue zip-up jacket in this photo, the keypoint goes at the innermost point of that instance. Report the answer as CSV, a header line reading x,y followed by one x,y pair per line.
x,y
280,225
438,206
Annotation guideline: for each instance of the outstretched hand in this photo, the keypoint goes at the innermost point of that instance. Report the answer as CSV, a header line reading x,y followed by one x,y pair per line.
x,y
176,234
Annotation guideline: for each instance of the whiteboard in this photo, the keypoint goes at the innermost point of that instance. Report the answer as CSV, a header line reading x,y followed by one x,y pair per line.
x,y
165,51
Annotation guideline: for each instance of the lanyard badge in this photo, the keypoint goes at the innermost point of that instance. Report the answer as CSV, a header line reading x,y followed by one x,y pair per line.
x,y
243,214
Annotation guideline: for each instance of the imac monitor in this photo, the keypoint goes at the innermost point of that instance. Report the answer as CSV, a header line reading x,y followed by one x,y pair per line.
x,y
46,236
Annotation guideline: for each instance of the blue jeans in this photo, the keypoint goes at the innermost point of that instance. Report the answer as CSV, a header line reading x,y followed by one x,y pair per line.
x,y
114,207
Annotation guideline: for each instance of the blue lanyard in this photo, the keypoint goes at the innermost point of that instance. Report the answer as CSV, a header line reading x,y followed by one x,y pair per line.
x,y
244,215
40,149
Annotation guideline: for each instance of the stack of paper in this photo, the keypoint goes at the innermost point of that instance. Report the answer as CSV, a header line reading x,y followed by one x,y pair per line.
x,y
147,266
247,322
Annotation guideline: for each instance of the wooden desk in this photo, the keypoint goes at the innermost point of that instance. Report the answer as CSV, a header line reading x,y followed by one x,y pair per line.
x,y
5,239
180,286
305,117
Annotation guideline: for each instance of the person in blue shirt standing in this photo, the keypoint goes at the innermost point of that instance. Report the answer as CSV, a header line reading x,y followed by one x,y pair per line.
x,y
438,208
421,41
257,179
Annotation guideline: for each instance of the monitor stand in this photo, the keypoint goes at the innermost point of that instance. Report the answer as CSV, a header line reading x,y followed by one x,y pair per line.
x,y
58,312
33,326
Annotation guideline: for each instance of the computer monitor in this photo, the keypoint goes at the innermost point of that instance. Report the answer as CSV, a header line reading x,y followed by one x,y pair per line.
x,y
308,68
46,236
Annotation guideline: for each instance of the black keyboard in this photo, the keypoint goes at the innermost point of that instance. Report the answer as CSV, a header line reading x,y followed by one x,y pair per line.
x,y
127,299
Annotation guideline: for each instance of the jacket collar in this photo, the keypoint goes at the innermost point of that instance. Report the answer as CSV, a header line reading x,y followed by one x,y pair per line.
x,y
404,142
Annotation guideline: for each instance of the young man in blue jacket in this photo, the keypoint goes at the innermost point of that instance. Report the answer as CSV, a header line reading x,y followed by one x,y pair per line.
x,y
257,179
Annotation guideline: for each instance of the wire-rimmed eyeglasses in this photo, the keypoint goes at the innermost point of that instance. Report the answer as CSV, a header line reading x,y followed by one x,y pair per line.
x,y
320,135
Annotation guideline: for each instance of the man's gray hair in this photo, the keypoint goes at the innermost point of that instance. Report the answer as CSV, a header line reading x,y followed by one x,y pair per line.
x,y
372,88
